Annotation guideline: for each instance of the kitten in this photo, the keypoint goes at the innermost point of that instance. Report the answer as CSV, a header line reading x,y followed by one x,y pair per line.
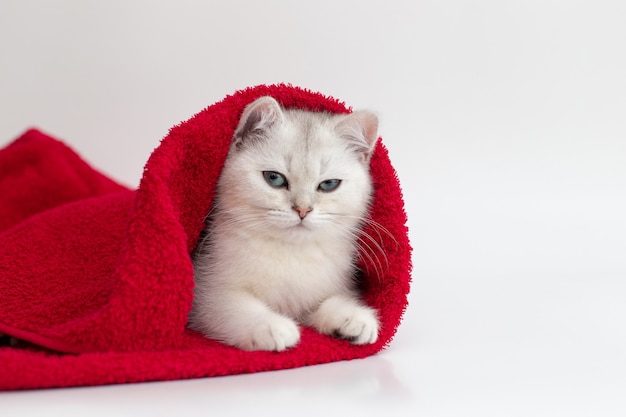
x,y
282,237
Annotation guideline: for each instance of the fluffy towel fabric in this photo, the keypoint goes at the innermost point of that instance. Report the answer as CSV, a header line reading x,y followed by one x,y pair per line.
x,y
98,280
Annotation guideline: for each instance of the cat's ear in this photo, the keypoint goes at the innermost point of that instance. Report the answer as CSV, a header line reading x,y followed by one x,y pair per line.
x,y
257,119
361,128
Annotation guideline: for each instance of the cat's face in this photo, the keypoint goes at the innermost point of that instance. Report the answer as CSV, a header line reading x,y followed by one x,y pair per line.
x,y
298,175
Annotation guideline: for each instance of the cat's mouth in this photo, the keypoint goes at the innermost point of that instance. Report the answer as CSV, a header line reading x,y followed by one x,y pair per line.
x,y
302,225
288,222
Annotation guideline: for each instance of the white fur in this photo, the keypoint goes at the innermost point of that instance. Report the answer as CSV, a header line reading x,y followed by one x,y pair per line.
x,y
261,269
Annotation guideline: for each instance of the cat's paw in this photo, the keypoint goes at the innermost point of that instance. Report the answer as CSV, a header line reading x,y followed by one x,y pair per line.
x,y
360,328
345,319
276,333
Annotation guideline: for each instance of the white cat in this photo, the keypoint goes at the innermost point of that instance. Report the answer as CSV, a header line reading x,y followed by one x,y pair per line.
x,y
282,236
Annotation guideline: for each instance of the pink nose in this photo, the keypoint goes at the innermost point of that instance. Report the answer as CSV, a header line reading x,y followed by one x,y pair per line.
x,y
302,211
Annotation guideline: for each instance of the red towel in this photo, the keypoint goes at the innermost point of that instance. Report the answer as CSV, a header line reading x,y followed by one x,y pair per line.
x,y
98,280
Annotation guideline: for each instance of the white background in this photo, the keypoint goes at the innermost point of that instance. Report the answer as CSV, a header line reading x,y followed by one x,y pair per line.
x,y
506,121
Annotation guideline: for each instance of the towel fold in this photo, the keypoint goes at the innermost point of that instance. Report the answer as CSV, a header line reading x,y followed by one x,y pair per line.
x,y
97,278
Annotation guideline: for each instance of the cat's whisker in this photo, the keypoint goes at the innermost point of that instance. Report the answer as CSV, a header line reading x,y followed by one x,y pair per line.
x,y
368,221
364,236
228,220
373,257
368,249
375,227
364,251
379,229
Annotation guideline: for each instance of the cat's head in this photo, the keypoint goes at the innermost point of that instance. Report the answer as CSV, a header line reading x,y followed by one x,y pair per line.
x,y
298,174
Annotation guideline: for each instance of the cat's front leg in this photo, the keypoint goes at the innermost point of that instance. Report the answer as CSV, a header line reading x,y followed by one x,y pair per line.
x,y
346,318
239,319
271,332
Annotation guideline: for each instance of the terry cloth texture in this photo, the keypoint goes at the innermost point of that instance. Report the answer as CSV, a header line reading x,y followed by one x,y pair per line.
x,y
96,279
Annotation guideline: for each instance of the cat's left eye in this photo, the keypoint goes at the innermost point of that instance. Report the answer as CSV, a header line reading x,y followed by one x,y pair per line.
x,y
329,185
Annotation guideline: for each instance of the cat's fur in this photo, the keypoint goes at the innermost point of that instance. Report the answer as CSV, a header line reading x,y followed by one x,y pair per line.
x,y
277,255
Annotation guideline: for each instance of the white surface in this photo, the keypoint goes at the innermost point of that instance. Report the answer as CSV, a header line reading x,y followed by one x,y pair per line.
x,y
506,122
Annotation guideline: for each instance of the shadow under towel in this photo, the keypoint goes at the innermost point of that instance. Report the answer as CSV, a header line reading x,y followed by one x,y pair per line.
x,y
96,279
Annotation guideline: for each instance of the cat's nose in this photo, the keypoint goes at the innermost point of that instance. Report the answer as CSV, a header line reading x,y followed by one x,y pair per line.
x,y
302,211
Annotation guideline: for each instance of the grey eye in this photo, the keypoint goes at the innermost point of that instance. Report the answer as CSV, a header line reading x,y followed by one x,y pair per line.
x,y
275,179
329,185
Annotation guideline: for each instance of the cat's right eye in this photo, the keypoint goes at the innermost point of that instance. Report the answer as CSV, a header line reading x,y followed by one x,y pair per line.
x,y
275,179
